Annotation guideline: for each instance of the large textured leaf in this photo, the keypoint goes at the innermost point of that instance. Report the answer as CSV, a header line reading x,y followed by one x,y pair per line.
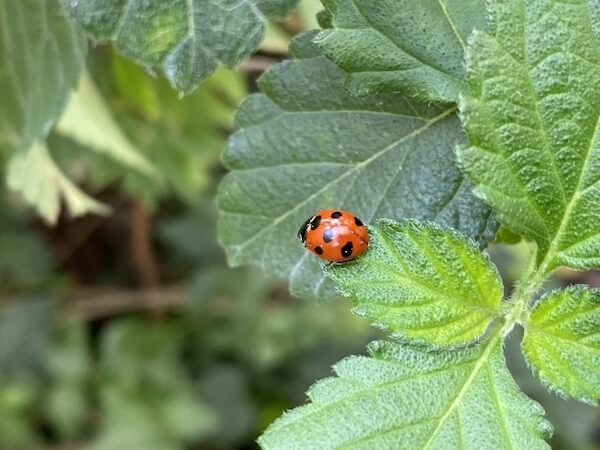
x,y
415,47
423,283
37,178
562,342
42,56
532,115
306,144
405,398
187,39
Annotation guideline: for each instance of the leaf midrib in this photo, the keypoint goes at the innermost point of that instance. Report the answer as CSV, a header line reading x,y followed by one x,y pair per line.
x,y
548,263
451,22
483,359
489,311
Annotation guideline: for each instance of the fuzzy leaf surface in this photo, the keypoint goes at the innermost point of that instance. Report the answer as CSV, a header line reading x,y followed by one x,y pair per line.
x,y
405,398
186,39
403,46
562,342
42,55
532,115
306,144
423,283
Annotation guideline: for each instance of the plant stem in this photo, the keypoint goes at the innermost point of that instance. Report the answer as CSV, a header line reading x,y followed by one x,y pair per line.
x,y
527,287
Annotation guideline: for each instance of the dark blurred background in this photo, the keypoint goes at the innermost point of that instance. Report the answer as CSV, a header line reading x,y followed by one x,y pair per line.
x,y
130,331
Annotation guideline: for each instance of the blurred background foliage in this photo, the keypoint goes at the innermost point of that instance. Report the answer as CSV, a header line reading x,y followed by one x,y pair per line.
x,y
128,330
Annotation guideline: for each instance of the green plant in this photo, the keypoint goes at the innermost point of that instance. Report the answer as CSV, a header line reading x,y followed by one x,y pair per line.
x,y
44,67
357,137
434,120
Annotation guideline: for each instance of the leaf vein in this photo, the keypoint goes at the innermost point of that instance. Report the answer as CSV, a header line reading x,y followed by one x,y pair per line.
x,y
335,180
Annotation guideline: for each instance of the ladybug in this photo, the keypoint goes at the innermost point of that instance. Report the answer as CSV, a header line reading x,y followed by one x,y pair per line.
x,y
334,235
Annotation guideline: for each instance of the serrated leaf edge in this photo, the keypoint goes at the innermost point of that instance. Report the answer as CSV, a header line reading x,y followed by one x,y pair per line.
x,y
551,387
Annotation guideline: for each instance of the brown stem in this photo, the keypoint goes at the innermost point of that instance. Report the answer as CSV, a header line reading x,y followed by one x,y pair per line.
x,y
256,64
142,253
92,304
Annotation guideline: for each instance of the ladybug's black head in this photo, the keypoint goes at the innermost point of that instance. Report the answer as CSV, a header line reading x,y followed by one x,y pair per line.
x,y
303,229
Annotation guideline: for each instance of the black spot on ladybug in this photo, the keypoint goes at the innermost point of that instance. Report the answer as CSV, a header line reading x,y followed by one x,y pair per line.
x,y
347,249
315,222
318,250
336,215
327,235
358,222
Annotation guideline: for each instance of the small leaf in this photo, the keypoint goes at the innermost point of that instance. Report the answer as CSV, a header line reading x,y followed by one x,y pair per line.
x,y
42,55
401,45
423,283
36,177
562,342
408,398
532,115
88,121
186,39
306,144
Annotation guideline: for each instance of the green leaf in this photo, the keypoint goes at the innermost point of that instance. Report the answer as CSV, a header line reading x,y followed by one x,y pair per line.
x,y
42,55
24,336
141,406
67,409
532,115
187,39
276,40
182,137
18,400
423,283
409,398
36,177
306,144
401,45
88,121
187,418
68,365
562,342
226,389
21,246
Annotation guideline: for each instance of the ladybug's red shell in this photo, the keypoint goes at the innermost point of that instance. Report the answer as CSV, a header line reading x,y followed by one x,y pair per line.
x,y
334,235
